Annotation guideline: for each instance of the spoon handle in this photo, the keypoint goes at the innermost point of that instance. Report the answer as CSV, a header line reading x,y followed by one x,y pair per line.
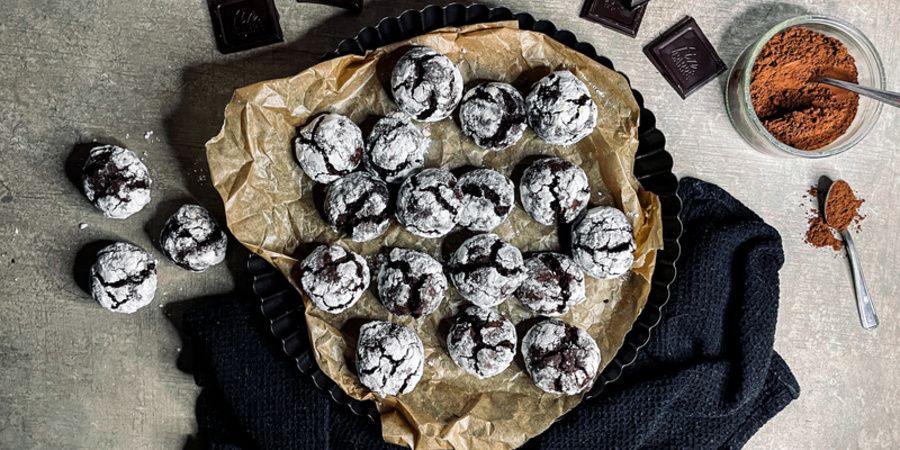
x,y
891,98
867,316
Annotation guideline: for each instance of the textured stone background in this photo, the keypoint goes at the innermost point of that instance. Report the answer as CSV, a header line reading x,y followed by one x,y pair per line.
x,y
147,74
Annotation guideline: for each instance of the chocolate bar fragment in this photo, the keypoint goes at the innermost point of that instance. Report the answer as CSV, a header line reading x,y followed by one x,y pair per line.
x,y
684,57
615,15
633,3
352,5
244,24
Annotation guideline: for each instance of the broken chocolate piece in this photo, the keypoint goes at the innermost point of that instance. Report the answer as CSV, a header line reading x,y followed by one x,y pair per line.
x,y
684,57
615,15
244,24
352,5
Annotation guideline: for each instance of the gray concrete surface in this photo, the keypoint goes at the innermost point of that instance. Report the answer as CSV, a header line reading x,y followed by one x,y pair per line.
x,y
147,74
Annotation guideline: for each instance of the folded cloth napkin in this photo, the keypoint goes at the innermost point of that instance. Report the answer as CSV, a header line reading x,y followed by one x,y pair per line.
x,y
708,378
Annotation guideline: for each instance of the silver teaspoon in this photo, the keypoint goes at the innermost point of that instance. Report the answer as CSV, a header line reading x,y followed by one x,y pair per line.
x,y
891,98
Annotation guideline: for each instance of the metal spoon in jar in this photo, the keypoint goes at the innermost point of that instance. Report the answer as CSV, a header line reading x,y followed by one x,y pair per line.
x,y
864,304
891,98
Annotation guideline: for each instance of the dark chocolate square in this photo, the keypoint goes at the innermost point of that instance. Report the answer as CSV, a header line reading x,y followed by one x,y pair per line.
x,y
633,3
684,57
615,15
352,5
244,24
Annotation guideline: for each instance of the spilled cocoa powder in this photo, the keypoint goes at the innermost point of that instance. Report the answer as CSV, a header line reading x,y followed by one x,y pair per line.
x,y
841,210
796,110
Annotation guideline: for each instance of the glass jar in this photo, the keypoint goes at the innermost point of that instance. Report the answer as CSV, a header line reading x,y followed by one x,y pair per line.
x,y
868,64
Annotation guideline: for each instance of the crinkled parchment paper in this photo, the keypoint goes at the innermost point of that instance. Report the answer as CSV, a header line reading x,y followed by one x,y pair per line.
x,y
270,207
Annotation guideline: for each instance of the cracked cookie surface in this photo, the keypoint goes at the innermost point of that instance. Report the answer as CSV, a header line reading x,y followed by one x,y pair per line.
x,y
603,243
396,148
389,358
192,239
328,147
115,181
554,191
561,358
493,115
358,205
426,84
481,341
487,199
554,284
409,283
334,278
560,109
486,269
429,202
123,279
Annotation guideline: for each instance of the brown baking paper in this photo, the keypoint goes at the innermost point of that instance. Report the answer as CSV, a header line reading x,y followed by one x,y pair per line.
x,y
270,209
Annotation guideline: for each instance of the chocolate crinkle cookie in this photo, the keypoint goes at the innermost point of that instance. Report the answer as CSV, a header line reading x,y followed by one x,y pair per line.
x,y
493,115
192,239
554,191
429,202
486,269
389,358
603,243
553,285
409,283
329,147
123,279
116,181
334,278
358,205
426,84
561,358
482,341
396,148
487,199
560,109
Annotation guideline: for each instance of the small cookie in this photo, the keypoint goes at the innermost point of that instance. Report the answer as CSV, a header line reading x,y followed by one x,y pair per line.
x,y
115,181
560,109
192,239
554,284
482,341
334,278
358,205
486,269
493,115
329,147
603,243
561,358
487,199
396,148
429,203
426,84
409,283
123,279
389,358
554,191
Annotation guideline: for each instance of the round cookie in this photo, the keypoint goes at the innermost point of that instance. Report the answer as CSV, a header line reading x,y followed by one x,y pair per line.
x,y
603,243
396,148
389,358
486,269
554,191
329,147
426,84
115,181
192,239
123,279
334,278
429,203
554,284
560,109
409,283
493,115
482,341
487,199
561,358
358,205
